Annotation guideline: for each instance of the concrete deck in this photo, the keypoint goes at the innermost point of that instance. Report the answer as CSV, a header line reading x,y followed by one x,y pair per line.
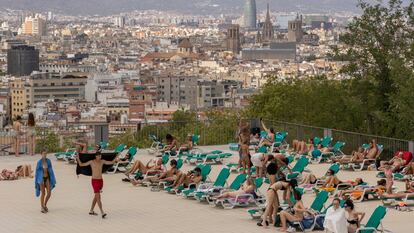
x,y
137,209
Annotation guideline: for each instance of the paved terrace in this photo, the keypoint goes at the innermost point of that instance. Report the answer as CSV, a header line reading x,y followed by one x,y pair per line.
x,y
137,209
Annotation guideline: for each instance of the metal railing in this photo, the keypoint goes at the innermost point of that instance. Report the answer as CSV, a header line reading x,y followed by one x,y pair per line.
x,y
211,133
352,140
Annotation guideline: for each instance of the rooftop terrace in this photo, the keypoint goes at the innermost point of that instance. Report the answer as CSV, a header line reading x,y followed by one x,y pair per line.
x,y
137,209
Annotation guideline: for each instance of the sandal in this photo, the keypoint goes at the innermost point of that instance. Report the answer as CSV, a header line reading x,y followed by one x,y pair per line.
x,y
93,213
47,210
103,216
43,211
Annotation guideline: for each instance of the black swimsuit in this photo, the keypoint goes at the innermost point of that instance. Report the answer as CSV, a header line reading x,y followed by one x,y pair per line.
x,y
353,222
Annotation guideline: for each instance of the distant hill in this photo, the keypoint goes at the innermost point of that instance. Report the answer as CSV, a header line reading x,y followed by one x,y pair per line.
x,y
105,7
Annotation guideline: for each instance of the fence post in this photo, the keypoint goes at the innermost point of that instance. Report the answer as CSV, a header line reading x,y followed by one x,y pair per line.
x,y
411,146
327,132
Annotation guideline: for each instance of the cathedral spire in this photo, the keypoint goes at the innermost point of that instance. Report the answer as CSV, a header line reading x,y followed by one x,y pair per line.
x,y
268,14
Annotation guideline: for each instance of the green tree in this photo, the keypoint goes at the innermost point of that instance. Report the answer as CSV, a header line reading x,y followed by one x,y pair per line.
x,y
378,44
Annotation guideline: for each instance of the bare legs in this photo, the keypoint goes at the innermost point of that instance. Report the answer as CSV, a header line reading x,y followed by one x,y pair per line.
x,y
17,146
272,205
97,200
284,217
32,145
45,196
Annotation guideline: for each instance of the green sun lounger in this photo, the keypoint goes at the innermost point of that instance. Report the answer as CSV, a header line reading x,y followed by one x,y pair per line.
x,y
374,222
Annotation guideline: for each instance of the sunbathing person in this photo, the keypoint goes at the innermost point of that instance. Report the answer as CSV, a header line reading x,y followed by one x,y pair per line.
x,y
168,176
152,165
298,211
185,179
247,188
272,198
21,171
409,189
396,163
188,145
172,144
357,191
356,157
24,171
372,151
270,138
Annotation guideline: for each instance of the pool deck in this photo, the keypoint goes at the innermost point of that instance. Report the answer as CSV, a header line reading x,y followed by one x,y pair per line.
x,y
137,209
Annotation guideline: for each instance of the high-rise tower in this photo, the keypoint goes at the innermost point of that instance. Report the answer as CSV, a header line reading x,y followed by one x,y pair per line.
x,y
267,33
250,14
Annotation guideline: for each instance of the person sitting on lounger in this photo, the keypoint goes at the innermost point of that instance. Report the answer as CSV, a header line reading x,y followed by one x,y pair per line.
x,y
358,191
298,212
189,144
409,189
270,138
185,179
152,165
372,152
168,176
172,144
396,163
247,188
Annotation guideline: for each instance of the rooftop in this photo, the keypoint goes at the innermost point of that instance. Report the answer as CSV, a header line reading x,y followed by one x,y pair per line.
x,y
138,209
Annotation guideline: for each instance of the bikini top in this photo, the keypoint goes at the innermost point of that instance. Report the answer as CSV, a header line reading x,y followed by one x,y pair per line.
x,y
353,222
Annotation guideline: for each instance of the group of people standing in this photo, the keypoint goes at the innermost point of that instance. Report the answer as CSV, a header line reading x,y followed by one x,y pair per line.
x,y
20,129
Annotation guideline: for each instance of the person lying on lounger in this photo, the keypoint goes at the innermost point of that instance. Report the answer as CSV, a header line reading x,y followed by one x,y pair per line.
x,y
168,176
357,191
409,189
185,179
152,165
247,188
356,157
396,163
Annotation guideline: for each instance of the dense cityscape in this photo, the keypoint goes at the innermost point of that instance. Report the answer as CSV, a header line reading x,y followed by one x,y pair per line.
x,y
142,66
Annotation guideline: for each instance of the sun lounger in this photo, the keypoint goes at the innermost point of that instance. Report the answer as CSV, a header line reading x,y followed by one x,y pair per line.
x,y
374,222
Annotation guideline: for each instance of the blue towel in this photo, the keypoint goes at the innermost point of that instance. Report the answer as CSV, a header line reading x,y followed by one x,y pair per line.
x,y
39,176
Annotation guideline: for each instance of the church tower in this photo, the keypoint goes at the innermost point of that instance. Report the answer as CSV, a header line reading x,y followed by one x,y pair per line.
x,y
267,33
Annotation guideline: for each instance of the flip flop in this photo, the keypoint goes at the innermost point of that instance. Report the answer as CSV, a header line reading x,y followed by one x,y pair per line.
x,y
93,213
103,215
43,211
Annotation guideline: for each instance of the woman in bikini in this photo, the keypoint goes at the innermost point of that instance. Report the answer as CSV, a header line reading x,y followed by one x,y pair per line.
x,y
357,191
44,181
270,138
297,215
409,189
31,134
247,188
152,165
183,179
272,198
16,133
354,218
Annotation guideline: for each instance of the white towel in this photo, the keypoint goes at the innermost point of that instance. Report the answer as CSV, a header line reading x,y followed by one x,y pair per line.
x,y
335,221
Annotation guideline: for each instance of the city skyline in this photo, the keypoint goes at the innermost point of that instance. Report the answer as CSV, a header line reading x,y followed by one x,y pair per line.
x,y
107,7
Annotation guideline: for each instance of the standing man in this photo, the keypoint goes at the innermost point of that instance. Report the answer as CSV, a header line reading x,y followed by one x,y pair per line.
x,y
97,181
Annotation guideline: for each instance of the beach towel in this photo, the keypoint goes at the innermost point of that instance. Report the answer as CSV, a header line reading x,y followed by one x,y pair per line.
x,y
39,176
335,221
86,157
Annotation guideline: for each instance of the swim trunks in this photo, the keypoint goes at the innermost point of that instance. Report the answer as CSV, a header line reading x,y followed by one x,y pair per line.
x,y
97,185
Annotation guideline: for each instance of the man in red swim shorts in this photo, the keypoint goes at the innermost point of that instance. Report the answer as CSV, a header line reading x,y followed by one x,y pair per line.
x,y
97,181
